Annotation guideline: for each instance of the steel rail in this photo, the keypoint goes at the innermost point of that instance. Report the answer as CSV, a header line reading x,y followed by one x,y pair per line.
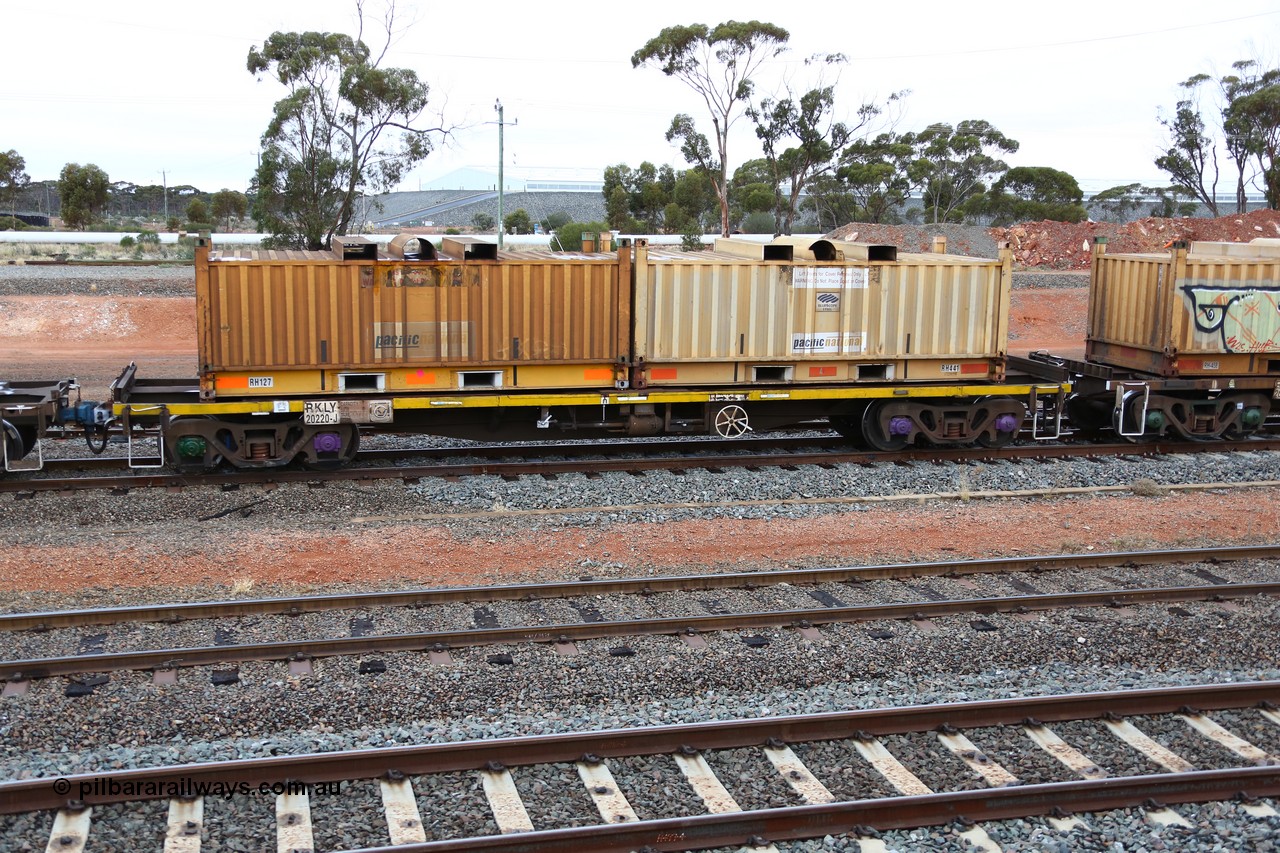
x,y
294,606
534,450
756,828
19,670
35,794
548,467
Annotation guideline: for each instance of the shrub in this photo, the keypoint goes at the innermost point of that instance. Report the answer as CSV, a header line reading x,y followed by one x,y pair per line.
x,y
568,237
691,241
556,221
127,242
149,237
758,223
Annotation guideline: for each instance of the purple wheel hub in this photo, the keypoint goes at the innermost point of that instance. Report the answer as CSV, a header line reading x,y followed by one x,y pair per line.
x,y
900,426
1006,423
327,442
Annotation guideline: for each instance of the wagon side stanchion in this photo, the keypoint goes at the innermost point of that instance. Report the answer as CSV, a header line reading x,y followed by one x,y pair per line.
x,y
142,463
1046,411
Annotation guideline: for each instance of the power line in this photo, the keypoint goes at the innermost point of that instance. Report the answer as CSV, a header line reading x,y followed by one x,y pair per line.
x,y
1118,36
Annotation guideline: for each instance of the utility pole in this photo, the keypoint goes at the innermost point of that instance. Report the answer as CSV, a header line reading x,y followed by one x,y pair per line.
x,y
165,181
497,105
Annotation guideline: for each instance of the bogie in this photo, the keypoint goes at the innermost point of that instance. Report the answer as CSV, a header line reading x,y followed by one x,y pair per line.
x,y
890,425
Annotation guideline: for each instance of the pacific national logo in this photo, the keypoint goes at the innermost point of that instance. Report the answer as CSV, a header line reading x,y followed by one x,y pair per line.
x,y
828,302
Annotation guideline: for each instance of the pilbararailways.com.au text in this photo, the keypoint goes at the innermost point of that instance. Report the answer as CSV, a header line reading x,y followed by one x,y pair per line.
x,y
187,788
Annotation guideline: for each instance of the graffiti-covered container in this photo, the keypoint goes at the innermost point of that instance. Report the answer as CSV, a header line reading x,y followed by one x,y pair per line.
x,y
1211,309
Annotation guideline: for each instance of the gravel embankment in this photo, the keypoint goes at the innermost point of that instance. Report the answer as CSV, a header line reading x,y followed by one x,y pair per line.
x,y
655,497
67,280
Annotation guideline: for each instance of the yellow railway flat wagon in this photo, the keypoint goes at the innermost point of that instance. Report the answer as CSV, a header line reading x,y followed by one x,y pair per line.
x,y
1199,310
820,313
359,321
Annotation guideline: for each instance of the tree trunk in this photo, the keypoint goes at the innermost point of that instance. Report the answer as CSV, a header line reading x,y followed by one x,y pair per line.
x,y
722,195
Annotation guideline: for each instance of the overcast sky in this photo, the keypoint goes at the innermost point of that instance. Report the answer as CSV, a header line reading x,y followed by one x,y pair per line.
x,y
146,86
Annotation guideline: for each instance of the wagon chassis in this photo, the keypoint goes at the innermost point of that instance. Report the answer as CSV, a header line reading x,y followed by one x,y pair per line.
x,y
251,433
1137,405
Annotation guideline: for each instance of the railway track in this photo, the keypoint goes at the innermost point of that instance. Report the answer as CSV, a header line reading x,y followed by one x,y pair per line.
x,y
622,457
649,607
529,450
728,783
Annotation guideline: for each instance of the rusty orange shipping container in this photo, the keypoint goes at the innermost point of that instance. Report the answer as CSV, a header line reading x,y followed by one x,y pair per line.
x,y
362,321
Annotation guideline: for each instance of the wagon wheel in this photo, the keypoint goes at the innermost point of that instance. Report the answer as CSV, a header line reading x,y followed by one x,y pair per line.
x,y
350,437
1000,437
731,421
17,440
876,432
187,457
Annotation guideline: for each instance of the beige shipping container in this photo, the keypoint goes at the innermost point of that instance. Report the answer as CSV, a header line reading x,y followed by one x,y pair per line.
x,y
298,319
707,317
1210,311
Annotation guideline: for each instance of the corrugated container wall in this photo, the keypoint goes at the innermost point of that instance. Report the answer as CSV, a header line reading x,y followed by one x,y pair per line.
x,y
707,307
281,313
1177,312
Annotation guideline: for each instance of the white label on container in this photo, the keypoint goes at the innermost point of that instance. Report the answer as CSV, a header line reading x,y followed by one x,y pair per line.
x,y
815,342
828,302
320,412
1210,365
280,406
262,381
829,277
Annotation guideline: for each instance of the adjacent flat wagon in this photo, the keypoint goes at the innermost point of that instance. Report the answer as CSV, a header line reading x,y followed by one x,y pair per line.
x,y
1183,343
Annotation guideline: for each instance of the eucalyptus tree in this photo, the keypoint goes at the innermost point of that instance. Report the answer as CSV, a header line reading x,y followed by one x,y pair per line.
x,y
718,63
83,191
1191,155
13,178
803,138
346,126
951,164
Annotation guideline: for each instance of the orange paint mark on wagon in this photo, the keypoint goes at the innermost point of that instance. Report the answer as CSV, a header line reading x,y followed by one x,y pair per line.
x,y
232,382
662,373
598,374
420,377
